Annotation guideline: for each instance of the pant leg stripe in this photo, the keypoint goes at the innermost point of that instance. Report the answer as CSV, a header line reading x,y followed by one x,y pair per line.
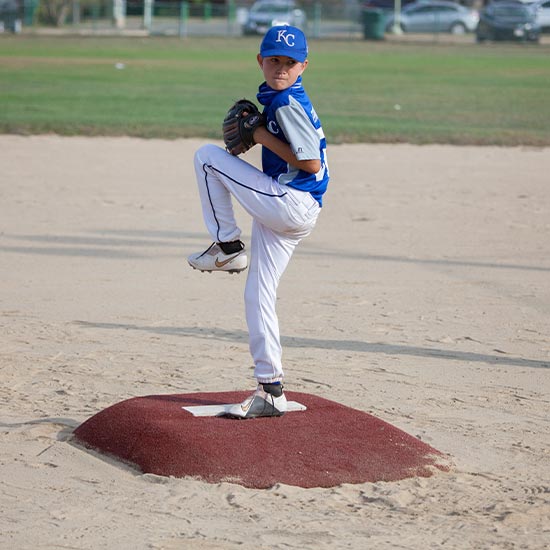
x,y
214,169
204,166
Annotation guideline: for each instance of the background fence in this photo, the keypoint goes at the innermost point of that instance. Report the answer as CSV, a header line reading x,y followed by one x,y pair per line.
x,y
338,18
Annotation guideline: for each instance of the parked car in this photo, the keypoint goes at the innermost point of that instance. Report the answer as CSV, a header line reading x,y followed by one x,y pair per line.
x,y
387,5
508,21
10,19
264,14
435,16
542,11
541,8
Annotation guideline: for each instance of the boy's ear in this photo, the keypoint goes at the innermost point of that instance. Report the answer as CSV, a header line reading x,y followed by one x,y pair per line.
x,y
260,59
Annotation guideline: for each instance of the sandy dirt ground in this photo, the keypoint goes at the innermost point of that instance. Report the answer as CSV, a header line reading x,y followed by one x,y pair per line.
x,y
422,297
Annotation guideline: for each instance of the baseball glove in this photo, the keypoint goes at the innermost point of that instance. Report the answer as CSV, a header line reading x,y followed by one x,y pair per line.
x,y
239,125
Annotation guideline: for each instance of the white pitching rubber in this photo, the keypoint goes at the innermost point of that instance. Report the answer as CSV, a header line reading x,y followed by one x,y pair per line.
x,y
220,410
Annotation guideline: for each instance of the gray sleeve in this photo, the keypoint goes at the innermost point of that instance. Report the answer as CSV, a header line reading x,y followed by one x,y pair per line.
x,y
299,131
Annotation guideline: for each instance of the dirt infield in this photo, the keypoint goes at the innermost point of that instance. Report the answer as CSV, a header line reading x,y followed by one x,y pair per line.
x,y
422,298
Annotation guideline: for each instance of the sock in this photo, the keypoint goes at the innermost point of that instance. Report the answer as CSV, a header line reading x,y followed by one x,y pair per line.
x,y
231,247
275,389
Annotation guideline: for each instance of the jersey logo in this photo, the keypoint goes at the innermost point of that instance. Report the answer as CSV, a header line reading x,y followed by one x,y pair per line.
x,y
272,127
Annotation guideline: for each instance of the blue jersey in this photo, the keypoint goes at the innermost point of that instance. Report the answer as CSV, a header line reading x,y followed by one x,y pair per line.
x,y
290,117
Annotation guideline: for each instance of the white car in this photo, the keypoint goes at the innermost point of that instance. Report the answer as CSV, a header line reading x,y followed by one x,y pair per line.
x,y
542,8
435,16
266,13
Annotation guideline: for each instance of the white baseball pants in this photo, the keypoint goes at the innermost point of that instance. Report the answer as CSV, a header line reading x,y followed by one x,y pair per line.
x,y
282,216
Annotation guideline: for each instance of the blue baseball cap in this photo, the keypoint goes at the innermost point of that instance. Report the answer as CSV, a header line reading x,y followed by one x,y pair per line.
x,y
284,40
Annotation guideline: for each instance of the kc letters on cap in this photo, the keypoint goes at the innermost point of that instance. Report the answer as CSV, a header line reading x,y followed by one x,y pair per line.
x,y
284,40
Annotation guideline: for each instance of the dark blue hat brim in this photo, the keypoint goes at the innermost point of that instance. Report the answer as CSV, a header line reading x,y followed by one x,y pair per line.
x,y
279,52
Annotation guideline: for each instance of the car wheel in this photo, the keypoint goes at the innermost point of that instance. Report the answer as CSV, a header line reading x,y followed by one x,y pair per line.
x,y
458,28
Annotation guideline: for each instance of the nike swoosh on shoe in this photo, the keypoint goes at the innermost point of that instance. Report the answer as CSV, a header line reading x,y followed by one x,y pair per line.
x,y
224,262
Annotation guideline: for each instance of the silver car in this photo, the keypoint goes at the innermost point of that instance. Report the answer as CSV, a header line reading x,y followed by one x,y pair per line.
x,y
543,14
264,14
435,16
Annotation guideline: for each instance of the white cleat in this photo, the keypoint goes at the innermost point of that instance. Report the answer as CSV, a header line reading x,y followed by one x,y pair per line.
x,y
259,404
215,259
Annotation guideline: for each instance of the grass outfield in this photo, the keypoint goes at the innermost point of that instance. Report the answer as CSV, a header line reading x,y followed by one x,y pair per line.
x,y
363,91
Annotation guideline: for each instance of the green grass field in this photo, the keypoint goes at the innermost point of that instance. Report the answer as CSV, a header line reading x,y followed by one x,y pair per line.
x,y
363,91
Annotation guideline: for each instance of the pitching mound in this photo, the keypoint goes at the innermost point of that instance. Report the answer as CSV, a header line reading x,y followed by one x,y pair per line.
x,y
326,445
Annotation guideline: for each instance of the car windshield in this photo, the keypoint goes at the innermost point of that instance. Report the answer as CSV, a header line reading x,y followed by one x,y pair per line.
x,y
270,8
510,11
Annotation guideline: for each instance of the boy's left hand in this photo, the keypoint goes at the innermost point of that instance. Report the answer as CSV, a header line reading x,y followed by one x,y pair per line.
x,y
239,125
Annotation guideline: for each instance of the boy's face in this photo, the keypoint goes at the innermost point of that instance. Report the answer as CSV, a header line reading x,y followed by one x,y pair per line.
x,y
281,72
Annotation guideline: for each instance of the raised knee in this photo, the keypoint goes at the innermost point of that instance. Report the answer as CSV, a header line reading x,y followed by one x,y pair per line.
x,y
205,152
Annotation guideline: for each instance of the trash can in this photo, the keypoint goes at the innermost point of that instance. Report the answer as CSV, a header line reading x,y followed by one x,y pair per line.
x,y
373,24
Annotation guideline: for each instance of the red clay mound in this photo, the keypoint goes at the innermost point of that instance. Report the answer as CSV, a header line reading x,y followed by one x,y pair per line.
x,y
326,445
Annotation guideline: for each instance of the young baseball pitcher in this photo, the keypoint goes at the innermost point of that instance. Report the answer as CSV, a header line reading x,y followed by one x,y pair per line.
x,y
284,200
